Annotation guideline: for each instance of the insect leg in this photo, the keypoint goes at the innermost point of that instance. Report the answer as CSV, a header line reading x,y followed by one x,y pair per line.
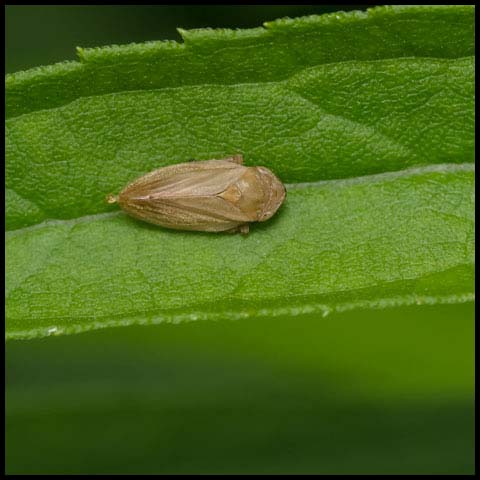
x,y
243,229
238,158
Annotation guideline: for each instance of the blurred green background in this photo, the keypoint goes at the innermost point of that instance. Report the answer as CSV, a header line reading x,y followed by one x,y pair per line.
x,y
362,392
387,391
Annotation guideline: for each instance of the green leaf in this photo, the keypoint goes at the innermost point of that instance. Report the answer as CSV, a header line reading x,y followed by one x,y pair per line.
x,y
281,49
332,121
391,90
394,239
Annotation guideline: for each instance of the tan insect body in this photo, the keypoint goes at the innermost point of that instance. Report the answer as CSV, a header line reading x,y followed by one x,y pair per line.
x,y
211,196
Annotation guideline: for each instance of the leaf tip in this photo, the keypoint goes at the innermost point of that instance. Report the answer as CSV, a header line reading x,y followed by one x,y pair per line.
x,y
80,53
182,32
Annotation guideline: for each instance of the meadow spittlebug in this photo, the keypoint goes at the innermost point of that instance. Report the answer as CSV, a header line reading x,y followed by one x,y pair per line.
x,y
210,196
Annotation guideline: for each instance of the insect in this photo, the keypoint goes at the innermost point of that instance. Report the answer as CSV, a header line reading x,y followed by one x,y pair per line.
x,y
211,196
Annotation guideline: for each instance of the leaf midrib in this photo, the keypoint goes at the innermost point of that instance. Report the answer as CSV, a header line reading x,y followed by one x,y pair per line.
x,y
341,182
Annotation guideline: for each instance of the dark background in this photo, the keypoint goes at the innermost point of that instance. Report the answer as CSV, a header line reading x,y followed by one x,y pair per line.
x,y
45,34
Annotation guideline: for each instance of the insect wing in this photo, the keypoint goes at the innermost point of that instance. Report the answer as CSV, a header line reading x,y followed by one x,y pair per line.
x,y
165,178
186,196
172,215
